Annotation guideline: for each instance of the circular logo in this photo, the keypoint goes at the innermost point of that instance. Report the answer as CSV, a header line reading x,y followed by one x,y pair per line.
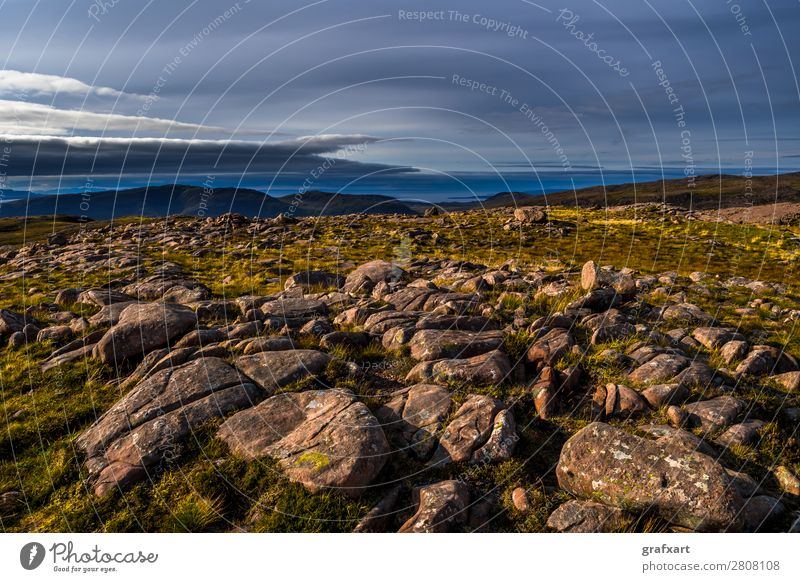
x,y
31,555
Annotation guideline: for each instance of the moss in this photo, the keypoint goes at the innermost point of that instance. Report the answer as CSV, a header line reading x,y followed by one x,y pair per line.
x,y
208,489
315,458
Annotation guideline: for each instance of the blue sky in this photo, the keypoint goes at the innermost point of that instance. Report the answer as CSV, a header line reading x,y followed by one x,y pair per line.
x,y
126,92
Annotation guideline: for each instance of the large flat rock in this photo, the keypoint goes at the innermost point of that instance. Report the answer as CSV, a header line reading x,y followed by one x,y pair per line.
x,y
437,344
608,465
273,370
324,439
148,425
143,327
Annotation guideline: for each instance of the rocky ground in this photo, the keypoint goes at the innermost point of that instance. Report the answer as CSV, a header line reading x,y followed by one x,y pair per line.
x,y
231,374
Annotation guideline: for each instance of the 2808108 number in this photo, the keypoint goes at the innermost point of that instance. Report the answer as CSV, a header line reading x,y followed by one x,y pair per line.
x,y
742,565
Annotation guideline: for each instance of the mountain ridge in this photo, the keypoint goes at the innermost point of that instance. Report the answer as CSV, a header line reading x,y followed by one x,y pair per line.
x,y
708,191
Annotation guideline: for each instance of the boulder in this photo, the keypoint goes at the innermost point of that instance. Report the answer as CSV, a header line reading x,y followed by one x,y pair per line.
x,y
715,413
104,296
149,424
661,368
617,400
10,322
414,416
294,308
527,215
589,517
662,394
489,368
308,280
364,278
606,464
273,370
143,327
549,348
441,507
468,430
715,337
323,439
436,344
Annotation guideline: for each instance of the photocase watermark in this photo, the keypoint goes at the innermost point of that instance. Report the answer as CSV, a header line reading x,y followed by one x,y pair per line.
x,y
568,19
66,558
524,108
679,115
100,8
184,52
31,555
509,29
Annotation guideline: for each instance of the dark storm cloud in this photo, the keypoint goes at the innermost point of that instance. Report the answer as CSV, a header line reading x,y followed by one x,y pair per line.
x,y
260,69
57,156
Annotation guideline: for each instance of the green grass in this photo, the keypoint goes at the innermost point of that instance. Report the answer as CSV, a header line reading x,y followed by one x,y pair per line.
x,y
210,490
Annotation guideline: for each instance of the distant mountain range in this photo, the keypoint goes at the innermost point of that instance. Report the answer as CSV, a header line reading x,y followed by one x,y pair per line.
x,y
708,192
198,201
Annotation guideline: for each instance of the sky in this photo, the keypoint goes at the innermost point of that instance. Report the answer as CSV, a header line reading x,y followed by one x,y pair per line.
x,y
405,98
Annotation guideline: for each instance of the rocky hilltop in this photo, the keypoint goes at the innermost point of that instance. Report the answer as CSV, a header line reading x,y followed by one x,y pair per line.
x,y
235,374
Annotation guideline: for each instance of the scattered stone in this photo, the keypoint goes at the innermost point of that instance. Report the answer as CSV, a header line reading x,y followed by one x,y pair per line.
x,y
733,351
521,500
759,510
545,393
530,215
149,424
589,517
273,370
323,439
607,464
686,313
664,394
442,507
617,400
661,368
501,443
436,344
715,413
316,280
490,368
364,278
143,327
714,337
378,518
468,431
787,480
549,348
294,308
414,416
741,434
677,416
10,322
790,381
